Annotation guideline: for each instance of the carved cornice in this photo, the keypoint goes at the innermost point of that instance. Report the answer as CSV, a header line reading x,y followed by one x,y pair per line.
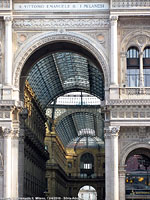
x,y
53,23
11,103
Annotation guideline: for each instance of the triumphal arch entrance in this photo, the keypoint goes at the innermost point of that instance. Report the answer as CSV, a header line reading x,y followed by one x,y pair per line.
x,y
74,99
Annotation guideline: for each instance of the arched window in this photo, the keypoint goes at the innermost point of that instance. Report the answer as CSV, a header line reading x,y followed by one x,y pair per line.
x,y
146,66
87,165
87,193
133,69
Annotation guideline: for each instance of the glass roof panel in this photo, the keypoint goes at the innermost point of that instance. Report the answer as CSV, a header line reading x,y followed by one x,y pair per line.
x,y
63,72
78,125
86,142
78,98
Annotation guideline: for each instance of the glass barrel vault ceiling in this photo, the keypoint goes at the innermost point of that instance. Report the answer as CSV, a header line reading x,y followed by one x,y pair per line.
x,y
63,72
79,125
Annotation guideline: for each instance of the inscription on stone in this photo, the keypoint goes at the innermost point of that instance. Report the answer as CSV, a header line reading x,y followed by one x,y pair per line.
x,y
61,7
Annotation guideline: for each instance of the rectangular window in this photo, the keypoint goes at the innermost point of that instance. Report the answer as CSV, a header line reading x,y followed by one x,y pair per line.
x,y
146,77
133,77
87,165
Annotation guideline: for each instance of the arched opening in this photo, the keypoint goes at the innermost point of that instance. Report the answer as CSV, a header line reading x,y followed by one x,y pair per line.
x,y
133,67
87,193
138,174
54,72
87,165
146,66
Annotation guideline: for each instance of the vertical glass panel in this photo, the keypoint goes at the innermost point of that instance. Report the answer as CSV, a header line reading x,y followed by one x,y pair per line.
x,y
146,77
133,77
133,53
146,53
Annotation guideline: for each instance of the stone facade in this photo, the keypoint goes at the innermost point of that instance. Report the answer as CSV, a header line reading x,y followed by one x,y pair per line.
x,y
106,30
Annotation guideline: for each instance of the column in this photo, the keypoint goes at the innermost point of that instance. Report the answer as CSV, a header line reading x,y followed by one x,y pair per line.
x,y
107,164
7,163
122,175
124,78
114,163
123,63
8,50
141,70
10,163
114,51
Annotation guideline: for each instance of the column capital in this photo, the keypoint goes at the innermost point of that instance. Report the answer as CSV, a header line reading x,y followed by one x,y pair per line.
x,y
114,130
113,19
141,53
122,171
7,132
8,18
111,131
123,54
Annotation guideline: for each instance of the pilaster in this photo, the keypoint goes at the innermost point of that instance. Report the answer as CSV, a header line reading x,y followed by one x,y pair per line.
x,y
114,91
8,50
122,174
111,163
10,163
107,164
114,51
141,84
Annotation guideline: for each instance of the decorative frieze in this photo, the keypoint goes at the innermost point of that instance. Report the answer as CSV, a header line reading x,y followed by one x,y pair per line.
x,y
128,102
22,37
134,133
128,111
53,23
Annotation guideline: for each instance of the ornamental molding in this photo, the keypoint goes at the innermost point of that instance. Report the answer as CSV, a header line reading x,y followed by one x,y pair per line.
x,y
57,23
39,40
128,102
138,38
133,133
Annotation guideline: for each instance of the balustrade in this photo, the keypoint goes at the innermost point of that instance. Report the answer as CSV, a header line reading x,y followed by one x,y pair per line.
x,y
134,93
130,3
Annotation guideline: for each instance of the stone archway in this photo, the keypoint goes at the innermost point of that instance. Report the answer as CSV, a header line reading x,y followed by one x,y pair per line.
x,y
130,148
86,192
123,156
42,39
